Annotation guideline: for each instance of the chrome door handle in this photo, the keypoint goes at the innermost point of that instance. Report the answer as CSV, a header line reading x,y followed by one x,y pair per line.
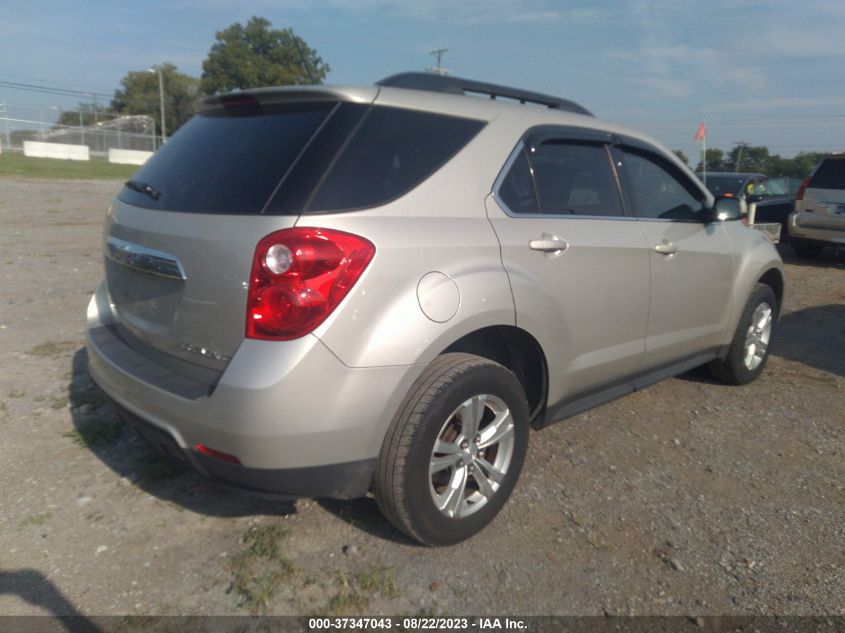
x,y
666,248
549,244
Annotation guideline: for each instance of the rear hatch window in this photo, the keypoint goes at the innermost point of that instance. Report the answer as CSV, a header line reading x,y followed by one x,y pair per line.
x,y
829,175
226,162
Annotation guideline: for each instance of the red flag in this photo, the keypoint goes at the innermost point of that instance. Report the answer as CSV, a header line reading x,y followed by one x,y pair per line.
x,y
700,133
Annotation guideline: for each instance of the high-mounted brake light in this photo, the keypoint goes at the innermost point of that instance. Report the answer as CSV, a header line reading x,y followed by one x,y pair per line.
x,y
800,193
245,105
298,278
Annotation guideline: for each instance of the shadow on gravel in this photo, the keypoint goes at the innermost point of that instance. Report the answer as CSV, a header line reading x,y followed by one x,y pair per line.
x,y
98,429
364,515
700,375
814,336
830,258
36,589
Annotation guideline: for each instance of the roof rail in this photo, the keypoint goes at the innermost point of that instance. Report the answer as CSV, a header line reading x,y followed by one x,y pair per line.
x,y
457,85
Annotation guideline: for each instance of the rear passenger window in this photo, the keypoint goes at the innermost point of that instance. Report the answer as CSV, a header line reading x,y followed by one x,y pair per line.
x,y
658,190
575,179
829,175
392,152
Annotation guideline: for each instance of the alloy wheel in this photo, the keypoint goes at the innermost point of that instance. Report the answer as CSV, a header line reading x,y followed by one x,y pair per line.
x,y
471,455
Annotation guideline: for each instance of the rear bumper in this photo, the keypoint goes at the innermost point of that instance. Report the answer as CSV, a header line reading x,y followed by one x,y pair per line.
x,y
816,234
338,481
301,422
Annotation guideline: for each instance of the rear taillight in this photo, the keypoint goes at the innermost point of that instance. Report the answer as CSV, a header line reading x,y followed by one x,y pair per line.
x,y
298,278
800,194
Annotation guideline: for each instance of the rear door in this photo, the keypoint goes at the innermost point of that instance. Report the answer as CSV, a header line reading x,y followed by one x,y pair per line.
x,y
577,263
181,234
824,199
690,258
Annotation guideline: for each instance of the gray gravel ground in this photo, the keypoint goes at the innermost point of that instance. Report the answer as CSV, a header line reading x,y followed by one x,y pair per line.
x,y
687,498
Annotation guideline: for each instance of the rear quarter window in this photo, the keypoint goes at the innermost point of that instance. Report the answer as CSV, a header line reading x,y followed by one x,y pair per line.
x,y
392,151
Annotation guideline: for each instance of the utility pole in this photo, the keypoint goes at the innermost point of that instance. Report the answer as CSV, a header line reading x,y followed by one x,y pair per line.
x,y
95,138
741,146
161,100
5,114
438,70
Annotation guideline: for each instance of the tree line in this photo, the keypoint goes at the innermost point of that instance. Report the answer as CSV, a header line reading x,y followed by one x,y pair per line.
x,y
242,56
756,158
256,54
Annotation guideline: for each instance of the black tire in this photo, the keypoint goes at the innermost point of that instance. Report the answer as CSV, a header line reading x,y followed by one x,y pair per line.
x,y
806,250
403,486
732,369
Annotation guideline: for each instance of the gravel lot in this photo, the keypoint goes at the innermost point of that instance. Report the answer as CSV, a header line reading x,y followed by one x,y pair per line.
x,y
687,498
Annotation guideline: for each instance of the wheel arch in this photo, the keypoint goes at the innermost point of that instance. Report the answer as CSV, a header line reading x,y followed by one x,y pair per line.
x,y
758,263
774,279
518,351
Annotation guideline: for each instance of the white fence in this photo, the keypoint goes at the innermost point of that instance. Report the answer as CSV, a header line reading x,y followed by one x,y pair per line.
x,y
128,156
99,133
55,150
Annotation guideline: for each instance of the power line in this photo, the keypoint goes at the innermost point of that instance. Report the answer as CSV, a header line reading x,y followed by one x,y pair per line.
x,y
14,85
5,76
779,62
819,83
751,126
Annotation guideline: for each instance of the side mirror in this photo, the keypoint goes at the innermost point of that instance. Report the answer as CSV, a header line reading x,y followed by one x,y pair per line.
x,y
729,208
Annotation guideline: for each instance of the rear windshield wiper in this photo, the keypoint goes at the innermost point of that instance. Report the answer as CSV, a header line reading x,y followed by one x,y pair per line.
x,y
144,187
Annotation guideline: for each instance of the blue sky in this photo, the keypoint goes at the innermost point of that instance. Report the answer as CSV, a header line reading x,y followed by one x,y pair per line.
x,y
767,72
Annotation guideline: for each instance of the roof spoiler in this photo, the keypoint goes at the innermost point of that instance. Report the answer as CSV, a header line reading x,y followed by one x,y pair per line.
x,y
286,94
460,86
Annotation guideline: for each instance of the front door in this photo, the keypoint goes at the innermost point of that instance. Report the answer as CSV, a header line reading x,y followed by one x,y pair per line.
x,y
691,260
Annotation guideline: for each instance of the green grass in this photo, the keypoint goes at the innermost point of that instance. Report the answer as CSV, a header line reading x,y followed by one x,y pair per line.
x,y
379,580
260,568
36,519
54,168
348,604
159,468
356,593
52,348
96,433
91,396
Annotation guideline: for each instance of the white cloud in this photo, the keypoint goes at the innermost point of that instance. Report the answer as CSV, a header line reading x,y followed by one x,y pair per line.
x,y
466,12
752,104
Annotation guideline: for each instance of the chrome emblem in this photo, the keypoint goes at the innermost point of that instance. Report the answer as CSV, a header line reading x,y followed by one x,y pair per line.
x,y
203,351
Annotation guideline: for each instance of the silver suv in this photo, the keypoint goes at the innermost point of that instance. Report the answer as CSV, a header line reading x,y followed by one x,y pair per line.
x,y
332,291
819,217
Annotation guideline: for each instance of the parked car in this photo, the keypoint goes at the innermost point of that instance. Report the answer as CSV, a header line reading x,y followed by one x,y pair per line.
x,y
773,198
819,217
331,291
